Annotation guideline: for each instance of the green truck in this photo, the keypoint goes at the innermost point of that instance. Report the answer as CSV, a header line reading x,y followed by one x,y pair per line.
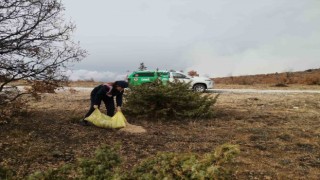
x,y
199,84
142,77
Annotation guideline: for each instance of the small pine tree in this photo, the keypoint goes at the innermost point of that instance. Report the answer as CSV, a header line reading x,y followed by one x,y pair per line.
x,y
142,67
171,101
107,165
214,165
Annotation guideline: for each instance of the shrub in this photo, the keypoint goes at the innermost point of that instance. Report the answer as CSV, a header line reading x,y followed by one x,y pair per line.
x,y
102,166
106,165
188,166
312,80
280,85
6,173
171,101
52,174
12,109
43,87
246,81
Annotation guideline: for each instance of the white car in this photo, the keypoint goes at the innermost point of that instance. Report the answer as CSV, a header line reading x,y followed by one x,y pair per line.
x,y
199,84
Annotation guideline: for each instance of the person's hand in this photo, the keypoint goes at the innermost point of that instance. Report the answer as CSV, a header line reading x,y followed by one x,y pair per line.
x,y
95,106
119,108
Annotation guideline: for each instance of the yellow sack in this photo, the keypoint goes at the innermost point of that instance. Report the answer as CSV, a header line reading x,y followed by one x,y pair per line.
x,y
118,120
101,120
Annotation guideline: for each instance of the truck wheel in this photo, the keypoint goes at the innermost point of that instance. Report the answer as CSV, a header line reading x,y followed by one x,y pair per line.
x,y
199,88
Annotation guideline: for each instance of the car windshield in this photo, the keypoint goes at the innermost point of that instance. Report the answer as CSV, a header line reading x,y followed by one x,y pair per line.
x,y
163,74
145,74
179,75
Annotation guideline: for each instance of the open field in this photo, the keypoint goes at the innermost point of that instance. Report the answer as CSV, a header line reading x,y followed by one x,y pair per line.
x,y
267,87
307,77
279,135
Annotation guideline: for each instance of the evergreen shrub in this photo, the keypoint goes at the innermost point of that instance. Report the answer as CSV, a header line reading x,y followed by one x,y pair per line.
x,y
174,100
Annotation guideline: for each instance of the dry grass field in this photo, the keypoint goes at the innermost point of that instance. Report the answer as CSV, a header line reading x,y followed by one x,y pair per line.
x,y
307,77
267,87
279,135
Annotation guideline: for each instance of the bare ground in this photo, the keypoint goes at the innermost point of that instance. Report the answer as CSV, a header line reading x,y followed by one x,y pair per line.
x,y
279,135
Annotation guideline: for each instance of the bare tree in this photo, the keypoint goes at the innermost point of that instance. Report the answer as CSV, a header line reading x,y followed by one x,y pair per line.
x,y
35,42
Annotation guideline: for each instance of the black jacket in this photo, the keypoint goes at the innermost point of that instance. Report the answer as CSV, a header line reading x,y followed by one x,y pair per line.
x,y
100,92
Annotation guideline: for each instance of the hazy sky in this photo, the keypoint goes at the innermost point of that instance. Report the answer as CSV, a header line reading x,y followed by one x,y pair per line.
x,y
213,37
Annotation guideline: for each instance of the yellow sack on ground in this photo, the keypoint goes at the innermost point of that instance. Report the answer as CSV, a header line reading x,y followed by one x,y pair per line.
x,y
118,120
101,120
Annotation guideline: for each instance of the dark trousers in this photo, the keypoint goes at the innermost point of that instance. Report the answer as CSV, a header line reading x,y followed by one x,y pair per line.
x,y
109,103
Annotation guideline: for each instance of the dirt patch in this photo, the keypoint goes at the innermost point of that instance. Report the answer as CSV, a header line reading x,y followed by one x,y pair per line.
x,y
130,128
278,135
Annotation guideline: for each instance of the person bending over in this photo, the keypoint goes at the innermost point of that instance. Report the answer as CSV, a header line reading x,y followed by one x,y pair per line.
x,y
106,93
